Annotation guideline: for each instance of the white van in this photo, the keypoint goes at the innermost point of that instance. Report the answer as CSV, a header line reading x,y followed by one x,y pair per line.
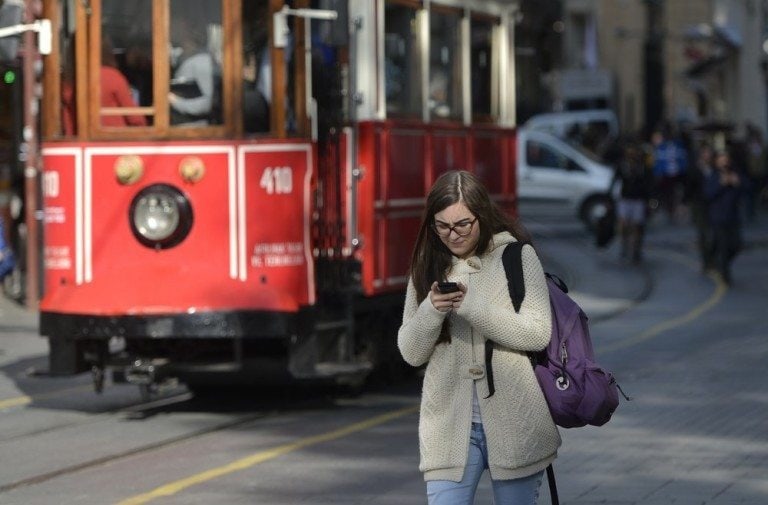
x,y
555,175
564,124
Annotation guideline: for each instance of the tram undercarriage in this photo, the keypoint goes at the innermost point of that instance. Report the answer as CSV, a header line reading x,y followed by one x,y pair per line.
x,y
220,349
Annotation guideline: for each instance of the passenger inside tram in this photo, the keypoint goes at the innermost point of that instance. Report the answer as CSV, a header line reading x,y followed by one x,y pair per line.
x,y
191,98
439,104
115,89
257,69
255,104
258,95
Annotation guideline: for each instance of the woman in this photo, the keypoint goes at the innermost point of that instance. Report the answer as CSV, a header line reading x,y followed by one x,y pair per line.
x,y
462,431
115,89
636,187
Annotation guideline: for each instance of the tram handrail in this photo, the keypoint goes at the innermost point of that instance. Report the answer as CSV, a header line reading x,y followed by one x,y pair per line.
x,y
127,111
41,26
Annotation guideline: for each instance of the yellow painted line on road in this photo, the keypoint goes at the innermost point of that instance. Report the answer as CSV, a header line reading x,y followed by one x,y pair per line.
x,y
260,457
15,402
26,400
720,289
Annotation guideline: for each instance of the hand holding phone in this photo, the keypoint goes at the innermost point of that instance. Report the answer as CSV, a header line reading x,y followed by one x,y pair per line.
x,y
447,287
447,296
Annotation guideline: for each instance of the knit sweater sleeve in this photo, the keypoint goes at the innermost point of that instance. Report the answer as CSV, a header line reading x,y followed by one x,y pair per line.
x,y
490,310
420,329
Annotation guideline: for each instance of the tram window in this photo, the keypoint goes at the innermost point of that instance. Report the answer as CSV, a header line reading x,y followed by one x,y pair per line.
x,y
68,86
195,95
445,65
402,74
481,62
257,71
125,76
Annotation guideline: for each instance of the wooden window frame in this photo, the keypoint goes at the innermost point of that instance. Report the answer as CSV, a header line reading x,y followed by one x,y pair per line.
x,y
87,69
413,4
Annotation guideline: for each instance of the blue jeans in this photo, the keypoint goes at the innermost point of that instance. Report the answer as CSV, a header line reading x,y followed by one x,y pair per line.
x,y
524,491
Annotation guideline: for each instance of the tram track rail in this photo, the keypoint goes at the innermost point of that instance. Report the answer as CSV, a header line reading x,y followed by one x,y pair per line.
x,y
133,410
272,405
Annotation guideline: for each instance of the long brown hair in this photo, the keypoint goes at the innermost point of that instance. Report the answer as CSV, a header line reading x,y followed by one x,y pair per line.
x,y
431,258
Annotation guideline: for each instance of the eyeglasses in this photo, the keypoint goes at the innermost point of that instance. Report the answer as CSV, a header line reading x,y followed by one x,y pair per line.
x,y
462,228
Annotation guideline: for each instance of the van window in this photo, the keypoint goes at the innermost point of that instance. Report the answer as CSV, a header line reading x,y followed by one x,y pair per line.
x,y
593,135
541,155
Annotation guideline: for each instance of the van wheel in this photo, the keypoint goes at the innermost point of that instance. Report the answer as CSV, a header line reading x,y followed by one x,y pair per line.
x,y
595,208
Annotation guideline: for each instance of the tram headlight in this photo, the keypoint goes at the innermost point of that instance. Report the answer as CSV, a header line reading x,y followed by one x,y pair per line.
x,y
160,216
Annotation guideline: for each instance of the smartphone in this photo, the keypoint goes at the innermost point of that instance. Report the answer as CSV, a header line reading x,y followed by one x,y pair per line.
x,y
447,287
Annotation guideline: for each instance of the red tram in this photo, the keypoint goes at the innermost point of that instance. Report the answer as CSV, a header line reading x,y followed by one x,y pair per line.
x,y
231,188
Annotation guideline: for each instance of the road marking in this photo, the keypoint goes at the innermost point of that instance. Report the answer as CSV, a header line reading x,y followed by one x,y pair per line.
x,y
720,289
26,400
15,402
260,457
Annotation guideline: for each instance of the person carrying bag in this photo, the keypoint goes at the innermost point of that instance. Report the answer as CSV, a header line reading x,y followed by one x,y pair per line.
x,y
462,430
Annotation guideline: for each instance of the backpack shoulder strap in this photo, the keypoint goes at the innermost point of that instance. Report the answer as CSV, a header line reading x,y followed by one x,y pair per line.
x,y
512,259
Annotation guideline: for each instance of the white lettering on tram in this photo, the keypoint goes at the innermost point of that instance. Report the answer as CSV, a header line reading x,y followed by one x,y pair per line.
x,y
57,257
278,254
277,180
51,185
56,215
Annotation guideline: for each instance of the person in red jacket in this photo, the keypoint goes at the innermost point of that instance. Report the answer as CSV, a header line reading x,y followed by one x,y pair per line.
x,y
115,90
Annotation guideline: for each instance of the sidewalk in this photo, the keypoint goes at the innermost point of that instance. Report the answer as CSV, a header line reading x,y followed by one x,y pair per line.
x,y
16,325
695,432
15,317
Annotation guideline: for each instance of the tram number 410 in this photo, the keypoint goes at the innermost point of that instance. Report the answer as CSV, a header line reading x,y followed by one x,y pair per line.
x,y
277,180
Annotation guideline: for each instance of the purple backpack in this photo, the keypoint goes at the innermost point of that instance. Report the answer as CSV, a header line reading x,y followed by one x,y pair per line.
x,y
577,390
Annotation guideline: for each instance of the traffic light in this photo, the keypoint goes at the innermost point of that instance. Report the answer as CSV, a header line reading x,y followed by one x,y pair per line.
x,y
11,13
9,77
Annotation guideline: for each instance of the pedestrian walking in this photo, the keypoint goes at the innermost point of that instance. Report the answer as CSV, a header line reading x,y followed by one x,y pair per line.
x,y
670,162
757,171
723,192
697,203
636,186
463,431
7,258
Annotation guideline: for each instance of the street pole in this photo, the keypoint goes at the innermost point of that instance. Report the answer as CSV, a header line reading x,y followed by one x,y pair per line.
x,y
653,75
29,151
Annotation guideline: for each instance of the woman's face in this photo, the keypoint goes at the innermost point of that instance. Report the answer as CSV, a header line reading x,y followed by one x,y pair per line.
x,y
458,228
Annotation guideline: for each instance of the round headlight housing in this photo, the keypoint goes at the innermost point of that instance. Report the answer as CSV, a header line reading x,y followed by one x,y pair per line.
x,y
160,216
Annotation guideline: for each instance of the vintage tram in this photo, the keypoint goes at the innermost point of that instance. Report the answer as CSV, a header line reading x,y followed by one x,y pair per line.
x,y
231,188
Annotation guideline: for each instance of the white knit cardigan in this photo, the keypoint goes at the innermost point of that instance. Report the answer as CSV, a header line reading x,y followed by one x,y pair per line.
x,y
522,439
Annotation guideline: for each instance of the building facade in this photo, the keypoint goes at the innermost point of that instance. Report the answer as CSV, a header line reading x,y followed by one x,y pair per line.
x,y
688,62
